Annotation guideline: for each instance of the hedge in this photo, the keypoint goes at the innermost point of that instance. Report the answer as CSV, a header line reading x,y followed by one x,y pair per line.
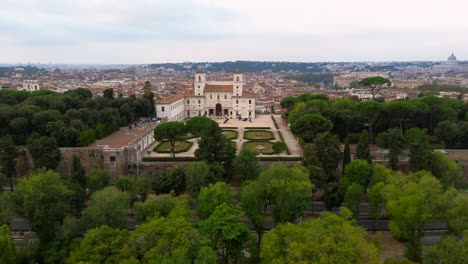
x,y
270,136
189,145
282,139
280,158
274,122
180,159
257,127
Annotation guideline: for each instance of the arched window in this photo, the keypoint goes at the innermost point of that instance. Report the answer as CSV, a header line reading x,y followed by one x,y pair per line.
x,y
237,79
199,78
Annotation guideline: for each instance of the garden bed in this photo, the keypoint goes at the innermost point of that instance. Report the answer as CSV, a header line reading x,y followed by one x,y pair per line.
x,y
259,135
230,134
253,145
165,147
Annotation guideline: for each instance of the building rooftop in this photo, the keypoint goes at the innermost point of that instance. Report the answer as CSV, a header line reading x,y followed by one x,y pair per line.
x,y
218,88
125,136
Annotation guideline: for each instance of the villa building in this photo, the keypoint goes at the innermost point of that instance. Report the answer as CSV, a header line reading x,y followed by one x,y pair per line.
x,y
209,98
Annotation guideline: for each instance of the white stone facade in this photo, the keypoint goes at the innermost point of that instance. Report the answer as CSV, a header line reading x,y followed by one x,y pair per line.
x,y
30,86
209,98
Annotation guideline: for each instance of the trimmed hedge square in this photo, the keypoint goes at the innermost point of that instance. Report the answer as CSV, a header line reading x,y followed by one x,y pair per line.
x,y
230,134
165,147
267,147
259,135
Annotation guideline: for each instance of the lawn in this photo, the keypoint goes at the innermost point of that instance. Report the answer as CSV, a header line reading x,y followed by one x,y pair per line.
x,y
267,146
230,134
258,135
165,147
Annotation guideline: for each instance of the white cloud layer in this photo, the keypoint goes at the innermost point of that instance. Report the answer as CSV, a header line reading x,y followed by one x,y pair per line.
x,y
146,31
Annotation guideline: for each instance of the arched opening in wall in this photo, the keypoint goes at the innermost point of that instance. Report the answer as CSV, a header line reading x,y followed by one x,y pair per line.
x,y
218,110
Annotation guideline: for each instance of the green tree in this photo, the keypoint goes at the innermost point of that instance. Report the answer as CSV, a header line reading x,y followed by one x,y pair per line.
x,y
8,155
395,142
197,124
227,232
77,182
171,239
160,206
375,84
445,169
7,248
452,208
45,152
332,238
420,149
449,250
99,245
285,191
346,154
324,152
59,249
42,199
289,101
309,125
409,202
246,164
317,176
353,197
376,202
108,93
149,96
362,148
106,207
198,175
279,147
212,196
370,110
171,131
97,179
213,147
172,179
332,197
357,171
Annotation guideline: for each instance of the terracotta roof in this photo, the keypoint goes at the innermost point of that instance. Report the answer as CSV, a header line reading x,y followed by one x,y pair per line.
x,y
246,95
171,99
218,88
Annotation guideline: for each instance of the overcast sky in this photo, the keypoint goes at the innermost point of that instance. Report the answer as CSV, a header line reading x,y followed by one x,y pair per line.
x,y
147,31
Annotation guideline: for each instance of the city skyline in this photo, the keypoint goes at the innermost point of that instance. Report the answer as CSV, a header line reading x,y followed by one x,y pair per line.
x,y
140,32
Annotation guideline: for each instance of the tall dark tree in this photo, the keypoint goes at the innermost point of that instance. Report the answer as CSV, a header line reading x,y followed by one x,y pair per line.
x,y
395,142
324,152
370,111
375,84
171,131
346,154
45,152
108,93
149,95
8,155
362,148
77,183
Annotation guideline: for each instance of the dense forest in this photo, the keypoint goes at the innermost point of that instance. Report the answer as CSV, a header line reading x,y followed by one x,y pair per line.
x,y
74,118
314,78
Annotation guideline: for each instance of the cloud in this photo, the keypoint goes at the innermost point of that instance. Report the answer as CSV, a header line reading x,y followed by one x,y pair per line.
x,y
138,31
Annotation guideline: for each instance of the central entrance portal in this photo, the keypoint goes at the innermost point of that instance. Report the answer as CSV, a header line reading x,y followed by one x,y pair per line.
x,y
218,110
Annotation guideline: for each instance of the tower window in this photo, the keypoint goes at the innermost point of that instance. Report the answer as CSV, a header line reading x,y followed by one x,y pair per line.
x,y
237,101
225,96
199,79
250,101
162,109
198,101
188,101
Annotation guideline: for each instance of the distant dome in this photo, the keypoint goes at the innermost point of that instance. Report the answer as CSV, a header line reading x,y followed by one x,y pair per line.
x,y
452,58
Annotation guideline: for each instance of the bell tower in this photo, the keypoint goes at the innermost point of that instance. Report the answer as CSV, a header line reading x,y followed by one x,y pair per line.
x,y
199,84
237,84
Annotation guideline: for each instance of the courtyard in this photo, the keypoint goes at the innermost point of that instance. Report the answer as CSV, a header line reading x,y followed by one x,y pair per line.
x,y
258,135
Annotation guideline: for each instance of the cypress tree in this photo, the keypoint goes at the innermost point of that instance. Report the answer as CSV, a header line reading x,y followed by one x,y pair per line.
x,y
346,153
362,148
